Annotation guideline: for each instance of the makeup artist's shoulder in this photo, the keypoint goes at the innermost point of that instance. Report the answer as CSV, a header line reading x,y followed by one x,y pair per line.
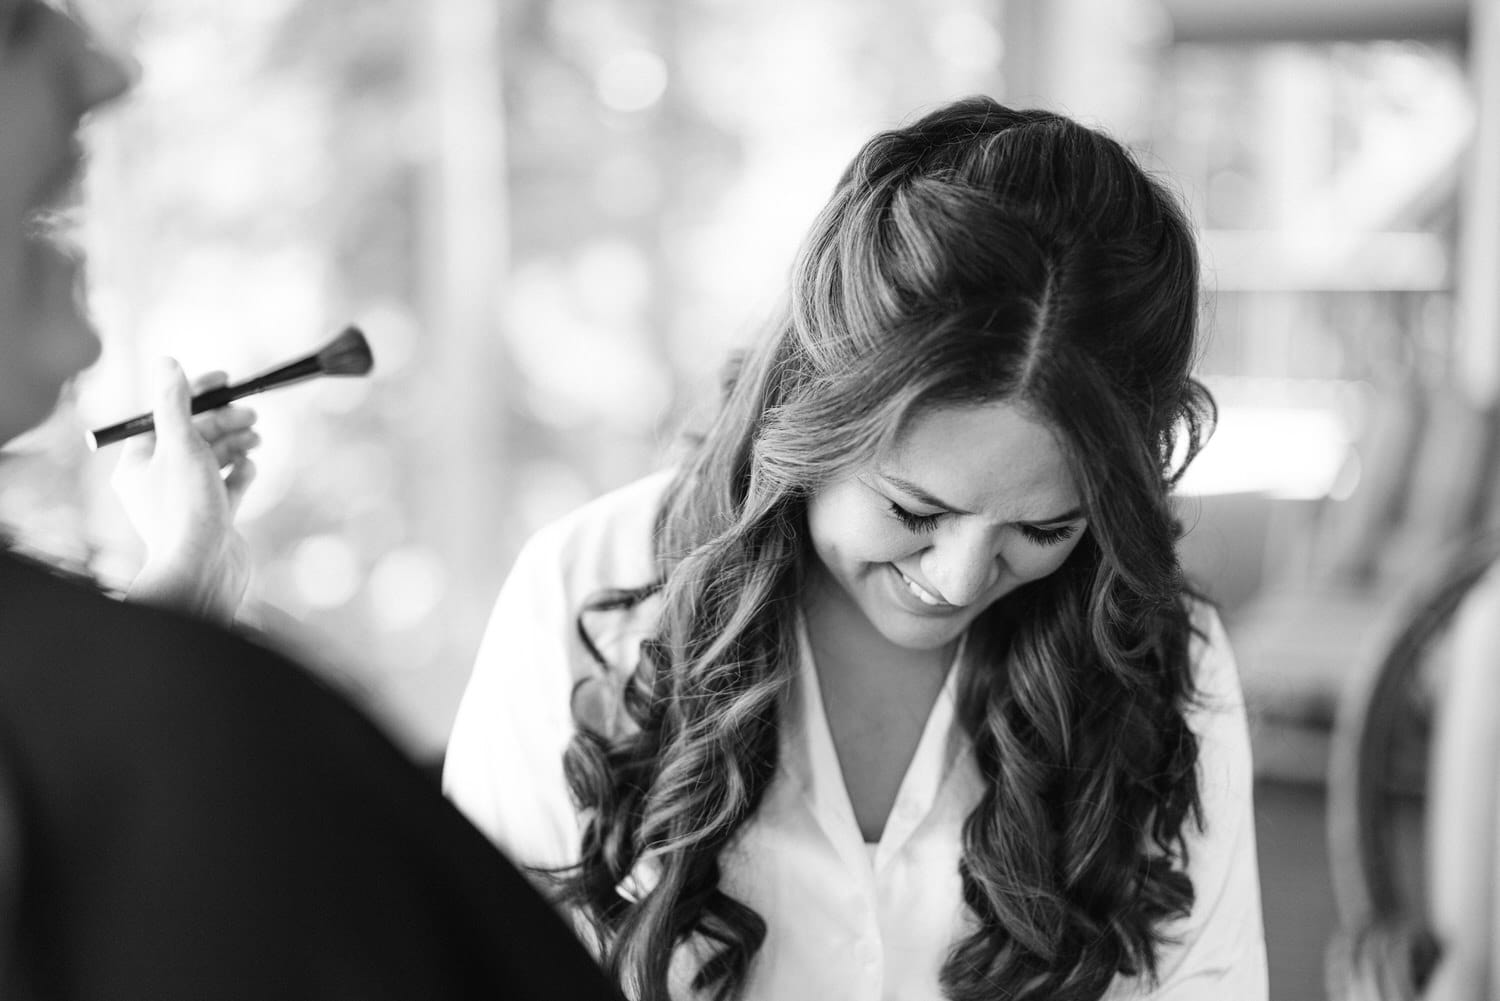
x,y
60,626
608,541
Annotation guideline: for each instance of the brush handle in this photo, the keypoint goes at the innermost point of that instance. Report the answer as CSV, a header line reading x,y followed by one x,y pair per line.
x,y
211,400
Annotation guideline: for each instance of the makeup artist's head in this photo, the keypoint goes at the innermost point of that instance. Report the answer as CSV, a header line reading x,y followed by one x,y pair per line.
x,y
52,73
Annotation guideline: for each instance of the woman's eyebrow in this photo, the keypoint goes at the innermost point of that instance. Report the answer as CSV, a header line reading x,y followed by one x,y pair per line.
x,y
1072,514
908,487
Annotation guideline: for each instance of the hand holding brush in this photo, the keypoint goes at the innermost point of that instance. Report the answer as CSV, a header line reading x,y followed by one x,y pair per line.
x,y
347,354
180,487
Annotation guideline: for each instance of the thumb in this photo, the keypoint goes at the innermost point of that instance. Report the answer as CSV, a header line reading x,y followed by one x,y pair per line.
x,y
172,409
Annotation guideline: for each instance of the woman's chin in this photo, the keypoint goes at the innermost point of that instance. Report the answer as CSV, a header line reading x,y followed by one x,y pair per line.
x,y
921,637
25,422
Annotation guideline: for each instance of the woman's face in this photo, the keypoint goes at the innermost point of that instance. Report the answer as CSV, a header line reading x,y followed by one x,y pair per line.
x,y
968,504
51,74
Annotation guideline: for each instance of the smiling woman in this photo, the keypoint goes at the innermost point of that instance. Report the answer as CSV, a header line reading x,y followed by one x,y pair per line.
x,y
894,688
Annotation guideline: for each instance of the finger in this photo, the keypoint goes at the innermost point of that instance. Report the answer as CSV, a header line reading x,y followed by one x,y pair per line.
x,y
135,452
225,420
240,476
209,380
215,424
234,447
170,409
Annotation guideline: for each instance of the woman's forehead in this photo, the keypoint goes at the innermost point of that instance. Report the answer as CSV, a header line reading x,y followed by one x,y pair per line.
x,y
975,456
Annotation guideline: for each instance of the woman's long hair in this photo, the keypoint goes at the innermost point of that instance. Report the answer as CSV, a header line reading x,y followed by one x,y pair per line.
x,y
980,254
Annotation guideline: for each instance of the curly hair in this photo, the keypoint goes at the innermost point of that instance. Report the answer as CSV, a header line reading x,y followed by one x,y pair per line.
x,y
978,254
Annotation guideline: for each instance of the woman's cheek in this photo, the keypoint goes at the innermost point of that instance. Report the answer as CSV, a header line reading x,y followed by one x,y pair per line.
x,y
891,541
1033,562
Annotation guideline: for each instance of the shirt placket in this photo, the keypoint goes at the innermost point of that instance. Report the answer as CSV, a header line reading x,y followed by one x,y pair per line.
x,y
881,885
808,751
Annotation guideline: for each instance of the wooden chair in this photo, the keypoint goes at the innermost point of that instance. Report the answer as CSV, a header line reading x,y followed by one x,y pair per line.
x,y
1430,475
1413,798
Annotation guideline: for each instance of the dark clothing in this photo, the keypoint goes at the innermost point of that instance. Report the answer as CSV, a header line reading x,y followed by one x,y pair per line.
x,y
202,819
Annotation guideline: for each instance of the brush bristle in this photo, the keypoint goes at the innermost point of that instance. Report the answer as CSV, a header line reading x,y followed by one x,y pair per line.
x,y
347,354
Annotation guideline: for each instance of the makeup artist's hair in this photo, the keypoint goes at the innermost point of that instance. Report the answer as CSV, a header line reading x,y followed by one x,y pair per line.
x,y
979,254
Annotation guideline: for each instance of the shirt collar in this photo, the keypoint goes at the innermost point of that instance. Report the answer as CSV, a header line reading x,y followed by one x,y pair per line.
x,y
809,760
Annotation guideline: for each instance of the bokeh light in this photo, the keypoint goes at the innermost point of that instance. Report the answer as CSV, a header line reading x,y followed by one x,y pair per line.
x,y
633,80
406,586
326,571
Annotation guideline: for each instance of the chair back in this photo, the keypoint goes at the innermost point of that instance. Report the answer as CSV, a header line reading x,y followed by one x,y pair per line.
x,y
1403,727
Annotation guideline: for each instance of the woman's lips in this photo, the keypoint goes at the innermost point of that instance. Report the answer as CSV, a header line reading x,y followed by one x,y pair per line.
x,y
925,599
59,186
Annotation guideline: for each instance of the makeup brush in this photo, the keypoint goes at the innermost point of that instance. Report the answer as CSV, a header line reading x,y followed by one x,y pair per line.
x,y
347,354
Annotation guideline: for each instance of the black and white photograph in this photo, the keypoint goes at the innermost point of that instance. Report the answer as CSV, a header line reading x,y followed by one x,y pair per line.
x,y
711,500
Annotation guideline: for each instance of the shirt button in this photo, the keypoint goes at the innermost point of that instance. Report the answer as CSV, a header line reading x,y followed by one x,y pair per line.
x,y
865,953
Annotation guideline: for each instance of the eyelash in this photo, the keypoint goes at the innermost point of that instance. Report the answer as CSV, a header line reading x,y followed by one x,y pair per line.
x,y
1048,536
914,522
1037,536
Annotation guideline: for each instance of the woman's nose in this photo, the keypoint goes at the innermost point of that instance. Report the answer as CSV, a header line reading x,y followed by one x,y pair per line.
x,y
104,75
962,569
97,73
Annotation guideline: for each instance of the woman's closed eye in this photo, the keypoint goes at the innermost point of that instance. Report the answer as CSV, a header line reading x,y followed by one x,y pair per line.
x,y
914,522
1049,536
1037,536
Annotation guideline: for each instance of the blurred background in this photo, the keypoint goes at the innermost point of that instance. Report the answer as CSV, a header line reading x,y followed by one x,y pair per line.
x,y
554,217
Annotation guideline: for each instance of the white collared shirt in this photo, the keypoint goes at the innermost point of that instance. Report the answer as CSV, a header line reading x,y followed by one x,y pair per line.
x,y
846,921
